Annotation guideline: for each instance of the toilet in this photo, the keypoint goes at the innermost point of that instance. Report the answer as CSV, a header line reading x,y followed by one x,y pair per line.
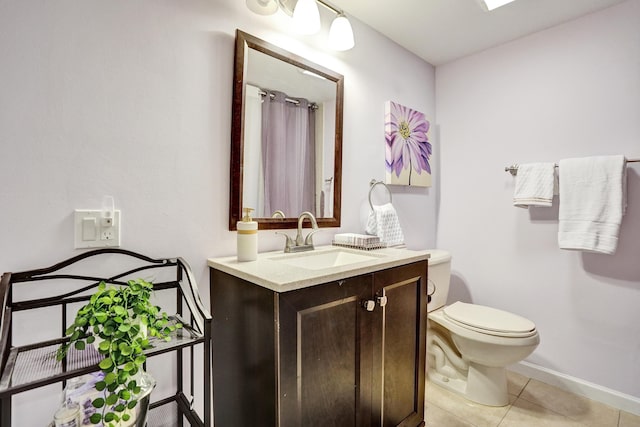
x,y
469,345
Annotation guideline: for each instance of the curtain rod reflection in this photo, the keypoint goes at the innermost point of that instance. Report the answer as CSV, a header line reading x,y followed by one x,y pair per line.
x,y
312,105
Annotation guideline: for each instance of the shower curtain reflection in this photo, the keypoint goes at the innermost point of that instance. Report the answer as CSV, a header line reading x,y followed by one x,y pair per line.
x,y
288,150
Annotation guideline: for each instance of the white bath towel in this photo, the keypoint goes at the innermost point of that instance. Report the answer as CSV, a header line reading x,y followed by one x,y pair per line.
x,y
534,186
383,222
592,203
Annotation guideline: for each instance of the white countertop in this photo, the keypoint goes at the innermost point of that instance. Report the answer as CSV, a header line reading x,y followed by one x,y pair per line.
x,y
274,270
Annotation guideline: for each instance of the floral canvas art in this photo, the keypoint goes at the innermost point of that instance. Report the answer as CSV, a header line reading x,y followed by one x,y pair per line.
x,y
408,150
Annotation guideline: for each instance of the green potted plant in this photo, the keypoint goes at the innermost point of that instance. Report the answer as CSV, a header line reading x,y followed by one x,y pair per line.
x,y
118,320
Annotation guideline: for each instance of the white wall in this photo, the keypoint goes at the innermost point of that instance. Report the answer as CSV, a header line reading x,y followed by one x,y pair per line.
x,y
133,99
569,91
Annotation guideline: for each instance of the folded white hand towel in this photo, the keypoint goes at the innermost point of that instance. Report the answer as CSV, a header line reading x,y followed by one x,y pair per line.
x,y
534,185
383,222
592,203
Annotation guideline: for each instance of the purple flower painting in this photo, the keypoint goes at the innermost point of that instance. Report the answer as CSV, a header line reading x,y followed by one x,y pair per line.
x,y
408,149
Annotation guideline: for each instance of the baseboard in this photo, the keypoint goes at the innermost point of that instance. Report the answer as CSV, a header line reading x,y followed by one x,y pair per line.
x,y
580,387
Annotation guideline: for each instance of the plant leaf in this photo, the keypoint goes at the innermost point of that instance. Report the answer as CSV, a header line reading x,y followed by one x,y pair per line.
x,y
123,376
125,349
110,378
112,399
98,403
106,363
62,352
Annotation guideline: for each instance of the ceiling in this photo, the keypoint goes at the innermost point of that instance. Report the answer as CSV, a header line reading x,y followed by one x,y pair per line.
x,y
440,31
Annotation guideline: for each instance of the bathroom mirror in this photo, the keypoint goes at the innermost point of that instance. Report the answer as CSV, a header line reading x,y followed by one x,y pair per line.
x,y
286,137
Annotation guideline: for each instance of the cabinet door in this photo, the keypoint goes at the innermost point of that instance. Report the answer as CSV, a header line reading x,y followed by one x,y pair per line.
x,y
399,346
325,358
244,361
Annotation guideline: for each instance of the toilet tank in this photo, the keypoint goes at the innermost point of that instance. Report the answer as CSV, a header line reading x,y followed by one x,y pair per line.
x,y
438,278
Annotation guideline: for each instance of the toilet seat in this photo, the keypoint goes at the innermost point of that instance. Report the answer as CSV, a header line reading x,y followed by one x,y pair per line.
x,y
488,320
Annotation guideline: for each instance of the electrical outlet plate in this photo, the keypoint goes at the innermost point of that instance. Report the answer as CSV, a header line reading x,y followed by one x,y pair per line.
x,y
93,231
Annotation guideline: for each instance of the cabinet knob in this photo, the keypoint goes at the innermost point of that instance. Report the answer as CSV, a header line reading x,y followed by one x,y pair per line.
x,y
382,300
369,305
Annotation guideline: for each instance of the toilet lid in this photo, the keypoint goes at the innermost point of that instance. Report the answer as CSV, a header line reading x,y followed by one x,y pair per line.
x,y
488,319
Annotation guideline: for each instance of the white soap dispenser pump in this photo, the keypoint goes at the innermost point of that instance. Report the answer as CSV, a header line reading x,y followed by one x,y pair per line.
x,y
247,237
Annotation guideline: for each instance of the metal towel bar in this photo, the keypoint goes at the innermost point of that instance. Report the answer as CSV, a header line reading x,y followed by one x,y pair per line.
x,y
513,169
373,183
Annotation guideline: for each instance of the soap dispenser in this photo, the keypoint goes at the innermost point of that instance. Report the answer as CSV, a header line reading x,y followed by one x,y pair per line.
x,y
247,237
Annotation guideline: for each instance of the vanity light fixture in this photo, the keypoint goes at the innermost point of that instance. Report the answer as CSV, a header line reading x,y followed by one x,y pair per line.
x,y
341,33
306,19
494,4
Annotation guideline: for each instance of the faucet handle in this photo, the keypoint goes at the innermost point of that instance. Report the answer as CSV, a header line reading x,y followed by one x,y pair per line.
x,y
309,239
289,243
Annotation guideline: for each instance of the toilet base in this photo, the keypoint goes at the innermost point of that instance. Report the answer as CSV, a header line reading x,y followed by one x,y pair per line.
x,y
483,384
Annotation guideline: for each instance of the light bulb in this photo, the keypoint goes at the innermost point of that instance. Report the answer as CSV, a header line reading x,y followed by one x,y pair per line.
x,y
306,17
341,34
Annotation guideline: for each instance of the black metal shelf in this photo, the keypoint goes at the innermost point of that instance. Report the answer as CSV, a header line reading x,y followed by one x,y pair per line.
x,y
28,367
35,365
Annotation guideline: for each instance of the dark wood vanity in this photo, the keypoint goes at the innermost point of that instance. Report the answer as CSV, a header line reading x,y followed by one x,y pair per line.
x,y
348,352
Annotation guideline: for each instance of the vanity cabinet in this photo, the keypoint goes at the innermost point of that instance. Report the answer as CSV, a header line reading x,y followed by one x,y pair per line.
x,y
349,352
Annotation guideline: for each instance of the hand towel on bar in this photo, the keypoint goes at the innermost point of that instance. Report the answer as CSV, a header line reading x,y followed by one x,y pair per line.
x,y
534,185
592,203
383,222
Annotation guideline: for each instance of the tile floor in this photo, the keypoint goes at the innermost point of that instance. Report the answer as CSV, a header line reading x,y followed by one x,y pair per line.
x,y
532,404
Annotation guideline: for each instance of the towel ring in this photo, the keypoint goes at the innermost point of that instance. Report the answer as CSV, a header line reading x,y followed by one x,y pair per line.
x,y
373,183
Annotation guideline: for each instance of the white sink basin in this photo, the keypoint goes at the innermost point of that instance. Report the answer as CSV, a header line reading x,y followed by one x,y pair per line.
x,y
320,260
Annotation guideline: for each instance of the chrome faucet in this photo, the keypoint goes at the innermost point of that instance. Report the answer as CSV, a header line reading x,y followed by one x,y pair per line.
x,y
314,224
278,214
301,244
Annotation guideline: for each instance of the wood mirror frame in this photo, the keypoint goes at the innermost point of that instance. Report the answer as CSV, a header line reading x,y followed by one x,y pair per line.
x,y
244,42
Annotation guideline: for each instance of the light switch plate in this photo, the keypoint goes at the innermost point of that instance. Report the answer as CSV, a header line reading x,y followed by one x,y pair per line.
x,y
90,231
